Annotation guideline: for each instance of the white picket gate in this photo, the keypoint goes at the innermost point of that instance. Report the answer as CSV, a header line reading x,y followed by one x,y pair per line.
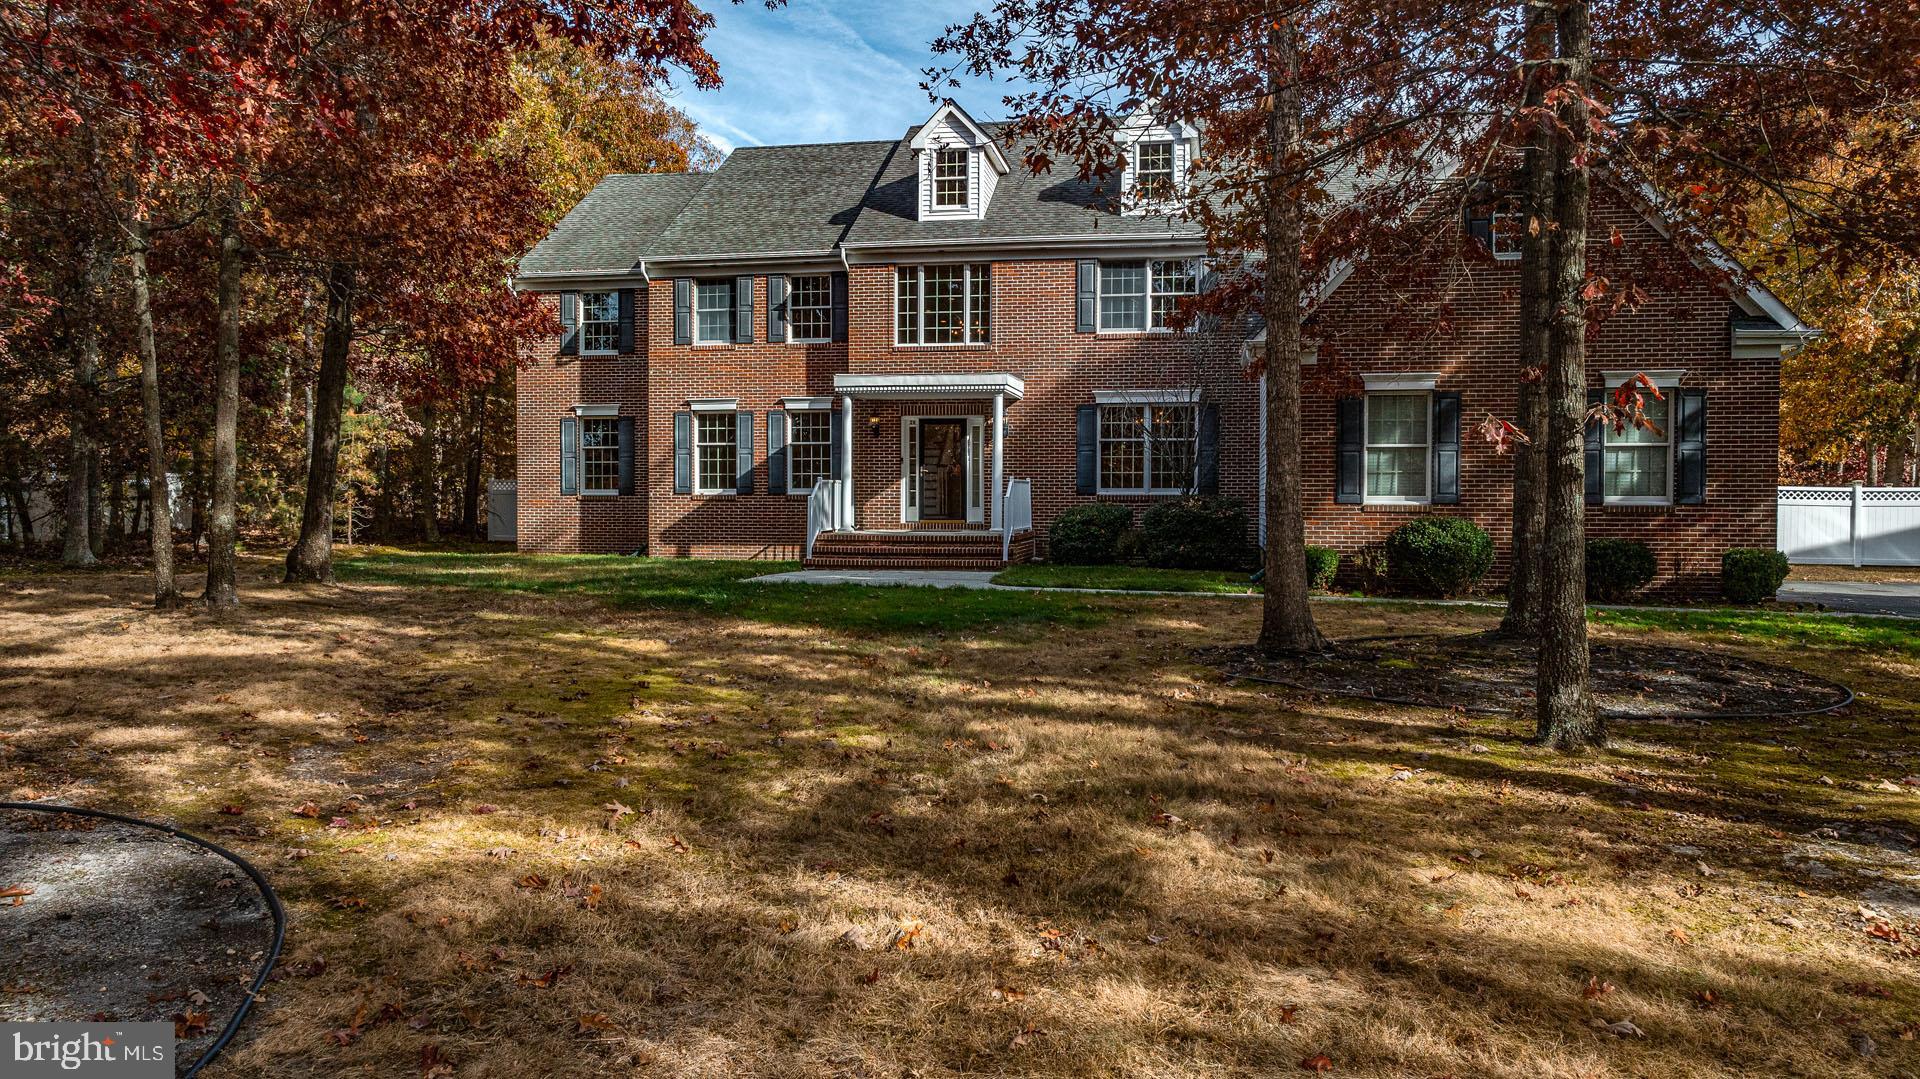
x,y
1850,526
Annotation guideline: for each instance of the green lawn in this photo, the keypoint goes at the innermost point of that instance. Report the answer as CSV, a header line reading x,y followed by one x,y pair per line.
x,y
1888,635
716,587
1129,578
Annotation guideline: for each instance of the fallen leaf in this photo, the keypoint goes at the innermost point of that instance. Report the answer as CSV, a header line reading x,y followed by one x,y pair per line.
x,y
1319,1063
1596,989
531,882
307,810
190,1024
233,810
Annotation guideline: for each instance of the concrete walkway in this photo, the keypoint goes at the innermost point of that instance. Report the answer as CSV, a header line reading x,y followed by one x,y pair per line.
x,y
1842,598
1900,600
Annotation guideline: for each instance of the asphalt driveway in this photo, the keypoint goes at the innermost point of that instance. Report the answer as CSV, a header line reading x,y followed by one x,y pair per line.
x,y
1856,597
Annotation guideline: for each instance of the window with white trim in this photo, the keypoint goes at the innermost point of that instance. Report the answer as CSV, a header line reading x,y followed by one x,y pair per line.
x,y
942,305
1143,295
599,456
1639,460
810,308
950,178
599,323
1399,448
1508,230
712,312
809,449
1153,170
716,451
1148,448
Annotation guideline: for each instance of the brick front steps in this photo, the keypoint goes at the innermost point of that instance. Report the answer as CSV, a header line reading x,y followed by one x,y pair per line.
x,y
916,549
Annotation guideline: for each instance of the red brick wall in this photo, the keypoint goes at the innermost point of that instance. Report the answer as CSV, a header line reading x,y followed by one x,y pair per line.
x,y
549,387
1686,325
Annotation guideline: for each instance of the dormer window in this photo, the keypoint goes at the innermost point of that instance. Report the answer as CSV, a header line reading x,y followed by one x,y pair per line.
x,y
950,178
1153,170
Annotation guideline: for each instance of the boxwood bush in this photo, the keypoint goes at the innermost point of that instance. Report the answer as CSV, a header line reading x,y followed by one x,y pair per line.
x,y
1617,568
1322,563
1088,535
1751,575
1439,556
1196,532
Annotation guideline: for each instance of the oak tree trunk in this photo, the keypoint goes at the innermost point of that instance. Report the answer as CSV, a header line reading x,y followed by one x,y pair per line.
x,y
1566,716
311,558
82,451
222,519
1286,619
1529,463
159,501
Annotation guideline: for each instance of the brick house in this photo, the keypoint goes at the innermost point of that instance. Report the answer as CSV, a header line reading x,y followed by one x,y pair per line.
x,y
915,352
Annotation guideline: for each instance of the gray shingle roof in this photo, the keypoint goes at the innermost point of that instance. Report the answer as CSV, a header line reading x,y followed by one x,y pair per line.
x,y
791,199
1024,205
616,225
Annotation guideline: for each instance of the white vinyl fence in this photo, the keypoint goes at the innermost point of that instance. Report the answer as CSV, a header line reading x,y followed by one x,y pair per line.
x,y
1850,526
502,511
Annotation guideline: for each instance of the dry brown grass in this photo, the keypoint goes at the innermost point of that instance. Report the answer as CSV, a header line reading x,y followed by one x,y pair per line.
x,y
1860,575
1043,851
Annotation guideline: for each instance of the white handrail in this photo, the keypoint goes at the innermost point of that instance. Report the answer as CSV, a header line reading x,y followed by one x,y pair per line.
x,y
1019,514
823,510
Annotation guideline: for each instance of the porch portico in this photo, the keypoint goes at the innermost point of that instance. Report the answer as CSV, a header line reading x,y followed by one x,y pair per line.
x,y
952,499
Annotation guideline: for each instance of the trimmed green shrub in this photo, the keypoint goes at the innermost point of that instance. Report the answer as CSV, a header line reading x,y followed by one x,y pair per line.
x,y
1370,568
1322,563
1088,535
1618,568
1751,575
1196,532
1132,548
1439,556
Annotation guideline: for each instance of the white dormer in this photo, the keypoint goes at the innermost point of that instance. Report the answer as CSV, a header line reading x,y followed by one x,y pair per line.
x,y
1158,157
959,164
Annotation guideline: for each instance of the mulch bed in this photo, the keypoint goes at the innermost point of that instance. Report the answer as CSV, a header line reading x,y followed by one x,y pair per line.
x,y
123,924
1489,675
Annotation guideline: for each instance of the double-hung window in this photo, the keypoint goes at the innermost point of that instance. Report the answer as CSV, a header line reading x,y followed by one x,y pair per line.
x,y
599,323
1508,230
949,178
712,312
1148,448
1639,460
942,305
1399,446
1153,171
599,456
716,451
810,308
809,449
1143,295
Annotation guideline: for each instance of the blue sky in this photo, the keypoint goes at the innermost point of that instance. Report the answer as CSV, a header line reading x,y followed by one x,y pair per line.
x,y
827,70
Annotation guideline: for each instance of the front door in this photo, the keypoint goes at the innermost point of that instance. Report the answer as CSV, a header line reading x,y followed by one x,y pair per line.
x,y
940,469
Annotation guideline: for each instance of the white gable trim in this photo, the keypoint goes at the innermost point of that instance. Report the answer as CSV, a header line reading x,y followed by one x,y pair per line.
x,y
952,113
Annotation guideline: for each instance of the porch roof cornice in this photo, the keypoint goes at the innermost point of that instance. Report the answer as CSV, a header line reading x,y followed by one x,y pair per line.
x,y
941,386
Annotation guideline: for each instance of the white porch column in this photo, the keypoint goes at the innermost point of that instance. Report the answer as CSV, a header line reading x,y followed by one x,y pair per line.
x,y
999,441
846,463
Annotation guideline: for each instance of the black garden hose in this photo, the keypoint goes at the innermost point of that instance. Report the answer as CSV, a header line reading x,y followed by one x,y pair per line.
x,y
260,881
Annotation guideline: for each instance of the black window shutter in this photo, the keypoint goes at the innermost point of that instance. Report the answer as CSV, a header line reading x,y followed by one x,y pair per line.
x,y
1087,297
1208,452
776,444
1596,456
743,452
626,455
1087,443
683,310
743,310
1690,449
776,311
569,324
1446,448
1350,451
569,456
1480,228
683,453
626,322
840,305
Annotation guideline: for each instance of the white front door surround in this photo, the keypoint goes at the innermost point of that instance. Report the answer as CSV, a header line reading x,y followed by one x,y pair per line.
x,y
913,507
935,387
